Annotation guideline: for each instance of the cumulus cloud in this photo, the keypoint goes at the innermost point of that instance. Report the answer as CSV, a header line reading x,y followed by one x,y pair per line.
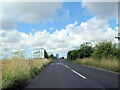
x,y
30,12
61,41
51,28
104,10
11,40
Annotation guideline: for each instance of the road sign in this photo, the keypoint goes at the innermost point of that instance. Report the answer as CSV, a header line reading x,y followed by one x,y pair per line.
x,y
57,56
39,53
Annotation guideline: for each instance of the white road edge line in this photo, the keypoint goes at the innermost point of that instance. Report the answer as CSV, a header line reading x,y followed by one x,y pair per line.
x,y
78,74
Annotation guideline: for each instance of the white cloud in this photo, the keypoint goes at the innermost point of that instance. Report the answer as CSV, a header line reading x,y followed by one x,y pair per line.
x,y
66,15
104,10
29,12
116,28
51,28
61,41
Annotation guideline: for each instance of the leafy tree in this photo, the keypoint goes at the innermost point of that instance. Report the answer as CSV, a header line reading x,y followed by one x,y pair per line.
x,y
105,49
72,55
61,57
52,56
68,55
85,50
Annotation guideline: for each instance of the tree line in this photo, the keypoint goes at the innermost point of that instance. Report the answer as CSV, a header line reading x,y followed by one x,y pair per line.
x,y
103,49
51,56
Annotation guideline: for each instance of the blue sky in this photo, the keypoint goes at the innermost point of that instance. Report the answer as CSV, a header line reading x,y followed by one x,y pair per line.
x,y
76,13
57,27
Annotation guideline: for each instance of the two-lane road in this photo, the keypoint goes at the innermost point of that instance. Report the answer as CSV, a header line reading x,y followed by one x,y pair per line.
x,y
64,74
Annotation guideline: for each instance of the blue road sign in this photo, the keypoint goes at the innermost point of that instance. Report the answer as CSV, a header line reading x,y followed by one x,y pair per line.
x,y
57,56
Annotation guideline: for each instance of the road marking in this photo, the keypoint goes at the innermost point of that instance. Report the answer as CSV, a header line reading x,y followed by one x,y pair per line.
x,y
52,64
57,63
74,71
78,74
66,66
61,63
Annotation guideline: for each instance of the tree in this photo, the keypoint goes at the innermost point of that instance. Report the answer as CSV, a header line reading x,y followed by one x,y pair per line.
x,y
61,57
46,54
52,56
85,50
105,49
72,55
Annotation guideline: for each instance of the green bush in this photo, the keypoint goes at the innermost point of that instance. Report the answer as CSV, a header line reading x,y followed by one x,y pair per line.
x,y
105,49
52,57
85,51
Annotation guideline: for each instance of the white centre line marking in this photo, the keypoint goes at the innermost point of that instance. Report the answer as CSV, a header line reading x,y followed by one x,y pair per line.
x,y
78,74
74,71
62,63
66,66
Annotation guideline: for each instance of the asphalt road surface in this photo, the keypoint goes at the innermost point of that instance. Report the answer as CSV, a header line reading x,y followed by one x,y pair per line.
x,y
64,74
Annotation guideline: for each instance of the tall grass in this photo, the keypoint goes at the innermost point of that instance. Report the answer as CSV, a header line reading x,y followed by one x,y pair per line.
x,y
16,72
0,74
108,64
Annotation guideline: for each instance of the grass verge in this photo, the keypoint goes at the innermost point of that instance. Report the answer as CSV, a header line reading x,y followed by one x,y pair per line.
x,y
15,72
107,64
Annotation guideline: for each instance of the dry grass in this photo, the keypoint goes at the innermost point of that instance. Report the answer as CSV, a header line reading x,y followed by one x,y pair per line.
x,y
108,64
15,71
0,74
